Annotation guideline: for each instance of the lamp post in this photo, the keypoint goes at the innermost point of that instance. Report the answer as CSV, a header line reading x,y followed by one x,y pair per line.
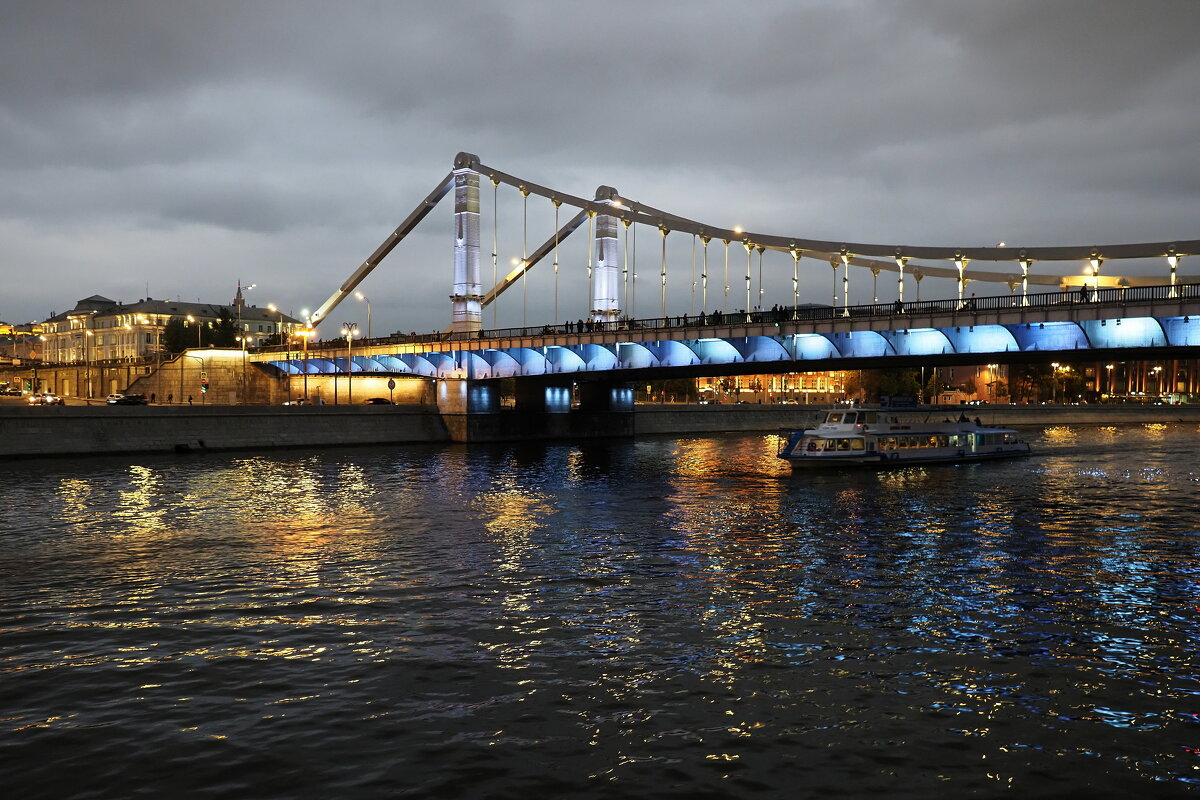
x,y
366,300
244,339
1158,381
87,360
1054,390
306,334
349,329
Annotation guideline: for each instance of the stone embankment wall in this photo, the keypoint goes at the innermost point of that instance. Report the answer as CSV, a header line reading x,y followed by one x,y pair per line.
x,y
69,430
79,430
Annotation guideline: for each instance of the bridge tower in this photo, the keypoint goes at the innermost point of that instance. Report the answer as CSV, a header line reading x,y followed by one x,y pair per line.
x,y
606,277
467,307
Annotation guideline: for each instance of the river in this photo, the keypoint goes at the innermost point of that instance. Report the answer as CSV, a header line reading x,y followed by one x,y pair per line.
x,y
663,617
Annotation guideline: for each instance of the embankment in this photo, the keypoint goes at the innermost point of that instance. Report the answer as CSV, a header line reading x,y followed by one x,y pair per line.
x,y
83,430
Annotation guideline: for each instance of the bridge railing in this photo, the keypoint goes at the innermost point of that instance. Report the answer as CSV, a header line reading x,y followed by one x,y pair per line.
x,y
802,313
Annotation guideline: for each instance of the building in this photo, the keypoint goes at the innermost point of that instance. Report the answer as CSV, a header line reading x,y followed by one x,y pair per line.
x,y
102,330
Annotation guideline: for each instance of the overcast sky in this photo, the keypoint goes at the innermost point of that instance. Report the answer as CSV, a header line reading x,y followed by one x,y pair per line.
x,y
173,148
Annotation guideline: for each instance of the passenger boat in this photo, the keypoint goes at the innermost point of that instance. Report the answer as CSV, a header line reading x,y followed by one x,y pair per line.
x,y
891,437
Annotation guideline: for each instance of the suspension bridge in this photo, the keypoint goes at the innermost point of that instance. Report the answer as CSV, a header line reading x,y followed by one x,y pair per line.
x,y
1045,312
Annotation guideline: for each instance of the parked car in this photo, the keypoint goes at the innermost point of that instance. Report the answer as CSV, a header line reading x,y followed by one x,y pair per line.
x,y
45,399
377,401
113,399
299,401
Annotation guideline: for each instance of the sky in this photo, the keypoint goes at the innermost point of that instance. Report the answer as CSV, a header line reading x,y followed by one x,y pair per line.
x,y
172,150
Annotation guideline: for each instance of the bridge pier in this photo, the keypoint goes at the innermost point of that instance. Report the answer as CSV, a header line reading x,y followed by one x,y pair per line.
x,y
601,397
471,412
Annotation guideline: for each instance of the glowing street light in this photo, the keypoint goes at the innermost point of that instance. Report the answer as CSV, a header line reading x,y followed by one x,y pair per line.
x,y
349,330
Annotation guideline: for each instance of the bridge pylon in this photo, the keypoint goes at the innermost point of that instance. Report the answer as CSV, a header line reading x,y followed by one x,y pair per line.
x,y
467,296
606,275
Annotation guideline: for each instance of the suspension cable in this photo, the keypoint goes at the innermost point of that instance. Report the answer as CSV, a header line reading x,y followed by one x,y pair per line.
x,y
524,257
693,275
495,256
725,302
590,238
633,284
760,249
664,272
557,203
795,283
749,257
625,269
704,276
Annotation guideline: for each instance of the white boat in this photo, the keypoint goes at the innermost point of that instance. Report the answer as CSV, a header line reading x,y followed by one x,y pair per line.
x,y
893,437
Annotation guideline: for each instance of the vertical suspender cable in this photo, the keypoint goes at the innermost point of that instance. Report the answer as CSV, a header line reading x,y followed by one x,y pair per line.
x,y
557,203
795,282
704,240
524,256
760,249
664,271
749,258
693,275
633,284
590,238
495,261
625,269
725,301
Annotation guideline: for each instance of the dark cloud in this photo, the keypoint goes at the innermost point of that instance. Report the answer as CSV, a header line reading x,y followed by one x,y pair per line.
x,y
185,146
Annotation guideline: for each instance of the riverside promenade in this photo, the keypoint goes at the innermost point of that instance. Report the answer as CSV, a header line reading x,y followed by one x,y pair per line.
x,y
97,430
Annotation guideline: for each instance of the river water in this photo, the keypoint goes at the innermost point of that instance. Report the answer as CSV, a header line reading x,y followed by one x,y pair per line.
x,y
665,617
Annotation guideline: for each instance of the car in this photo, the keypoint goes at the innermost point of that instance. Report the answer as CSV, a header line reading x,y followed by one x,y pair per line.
x,y
45,399
127,400
299,401
377,401
113,399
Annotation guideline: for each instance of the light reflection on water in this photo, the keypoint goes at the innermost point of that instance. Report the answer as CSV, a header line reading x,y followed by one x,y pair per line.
x,y
661,617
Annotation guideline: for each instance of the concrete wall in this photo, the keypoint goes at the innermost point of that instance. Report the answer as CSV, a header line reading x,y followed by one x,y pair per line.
x,y
71,430
64,430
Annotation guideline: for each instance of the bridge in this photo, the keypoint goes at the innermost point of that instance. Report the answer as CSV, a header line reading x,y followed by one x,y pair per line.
x,y
1101,312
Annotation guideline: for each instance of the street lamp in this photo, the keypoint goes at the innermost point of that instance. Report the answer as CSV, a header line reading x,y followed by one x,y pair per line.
x,y
306,334
1158,381
367,300
87,360
244,339
349,330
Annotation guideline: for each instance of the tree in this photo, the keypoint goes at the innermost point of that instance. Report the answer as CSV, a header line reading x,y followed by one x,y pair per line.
x,y
225,331
175,335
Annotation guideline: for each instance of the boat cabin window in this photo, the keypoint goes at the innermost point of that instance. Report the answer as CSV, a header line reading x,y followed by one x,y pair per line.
x,y
850,418
856,444
834,417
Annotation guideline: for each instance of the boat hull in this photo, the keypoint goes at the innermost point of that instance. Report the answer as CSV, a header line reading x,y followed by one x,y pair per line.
x,y
894,459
